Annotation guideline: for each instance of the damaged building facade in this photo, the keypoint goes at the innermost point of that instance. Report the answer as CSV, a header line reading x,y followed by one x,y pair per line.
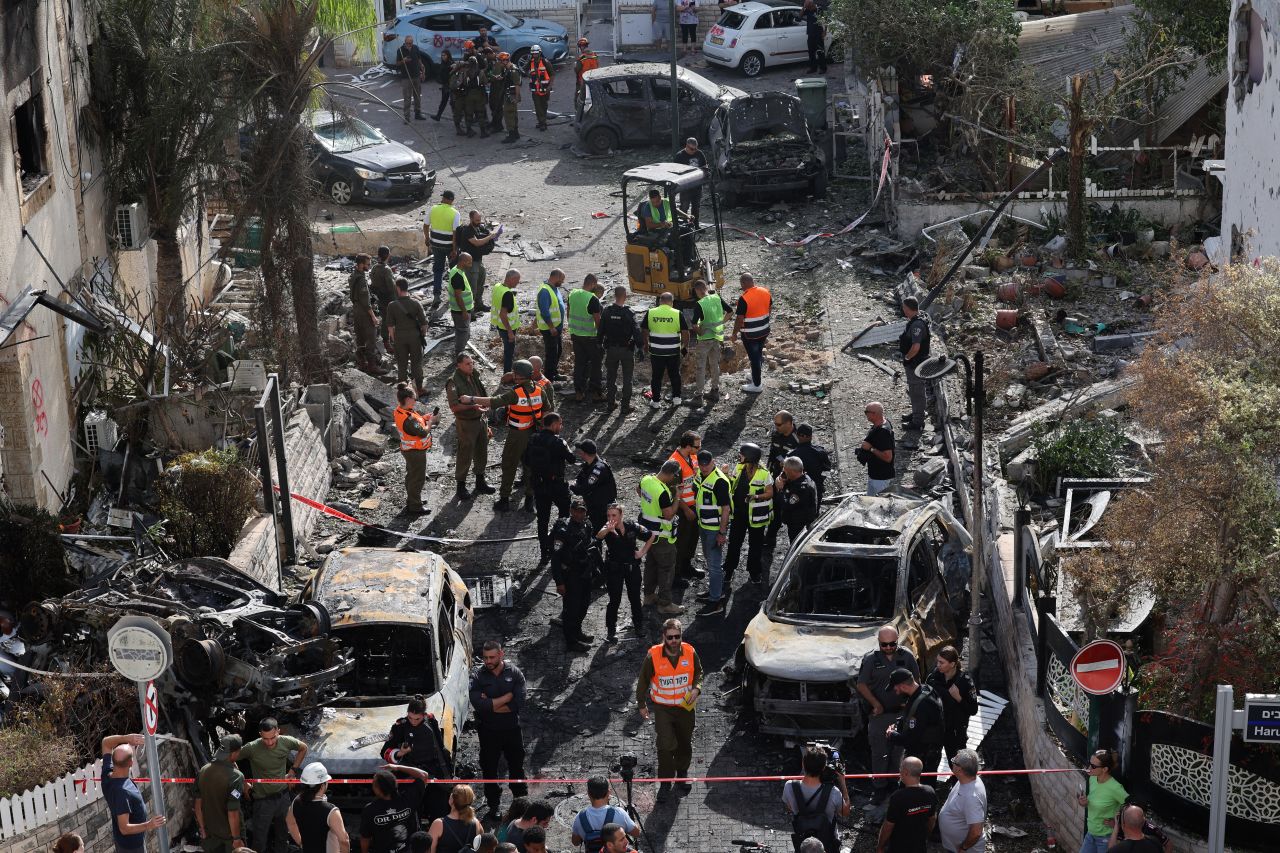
x,y
60,233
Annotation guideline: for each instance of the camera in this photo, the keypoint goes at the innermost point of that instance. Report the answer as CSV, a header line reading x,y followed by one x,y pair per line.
x,y
627,765
833,772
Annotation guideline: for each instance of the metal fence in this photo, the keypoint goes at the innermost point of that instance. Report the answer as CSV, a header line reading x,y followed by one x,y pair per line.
x,y
1065,704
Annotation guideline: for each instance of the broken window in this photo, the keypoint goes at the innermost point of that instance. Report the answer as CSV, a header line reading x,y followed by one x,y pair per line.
x,y
444,628
851,587
631,89
380,653
29,131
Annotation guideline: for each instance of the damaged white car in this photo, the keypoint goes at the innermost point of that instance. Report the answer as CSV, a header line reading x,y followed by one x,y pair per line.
x,y
868,562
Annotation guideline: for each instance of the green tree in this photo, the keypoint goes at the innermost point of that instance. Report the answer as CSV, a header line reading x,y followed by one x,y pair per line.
x,y
1201,26
279,46
162,110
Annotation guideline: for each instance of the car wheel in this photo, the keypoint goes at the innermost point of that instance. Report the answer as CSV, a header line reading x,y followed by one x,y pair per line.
x,y
835,53
746,686
520,59
752,64
601,140
341,191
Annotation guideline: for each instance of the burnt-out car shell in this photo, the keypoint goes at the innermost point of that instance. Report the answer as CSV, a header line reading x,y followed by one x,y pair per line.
x,y
407,618
867,562
629,105
761,148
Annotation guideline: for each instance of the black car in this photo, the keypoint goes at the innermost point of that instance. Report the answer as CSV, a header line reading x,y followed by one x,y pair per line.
x,y
761,148
354,162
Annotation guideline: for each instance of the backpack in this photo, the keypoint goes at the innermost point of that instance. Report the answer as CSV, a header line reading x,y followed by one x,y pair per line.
x,y
811,818
592,840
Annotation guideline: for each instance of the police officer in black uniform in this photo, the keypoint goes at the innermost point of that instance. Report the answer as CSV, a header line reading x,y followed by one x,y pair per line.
x,y
781,443
918,730
816,458
872,683
574,556
546,456
798,498
595,483
416,741
914,346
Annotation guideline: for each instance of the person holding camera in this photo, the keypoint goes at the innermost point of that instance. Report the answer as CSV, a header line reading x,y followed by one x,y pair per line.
x,y
885,702
815,800
877,450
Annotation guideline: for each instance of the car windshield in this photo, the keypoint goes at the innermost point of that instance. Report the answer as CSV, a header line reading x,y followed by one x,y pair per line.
x,y
339,137
837,587
381,653
501,17
753,118
732,20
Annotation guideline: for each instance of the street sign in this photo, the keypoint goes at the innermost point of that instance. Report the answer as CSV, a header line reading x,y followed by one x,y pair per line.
x,y
1099,667
151,708
1262,718
139,648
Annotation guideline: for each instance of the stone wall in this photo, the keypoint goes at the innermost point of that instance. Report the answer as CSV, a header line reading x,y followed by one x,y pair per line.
x,y
92,822
306,452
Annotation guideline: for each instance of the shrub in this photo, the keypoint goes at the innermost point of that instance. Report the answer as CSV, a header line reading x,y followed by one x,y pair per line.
x,y
1081,448
33,563
205,498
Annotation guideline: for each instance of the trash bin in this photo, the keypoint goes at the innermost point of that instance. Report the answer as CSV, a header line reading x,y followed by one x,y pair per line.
x,y
812,92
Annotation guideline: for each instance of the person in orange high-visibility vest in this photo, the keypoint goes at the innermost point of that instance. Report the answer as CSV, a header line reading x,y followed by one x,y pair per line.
x,y
686,456
751,321
671,681
539,84
587,61
415,441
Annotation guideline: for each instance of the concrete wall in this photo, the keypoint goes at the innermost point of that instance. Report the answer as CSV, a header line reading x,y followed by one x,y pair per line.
x,y
708,14
92,822
308,457
914,215
1251,183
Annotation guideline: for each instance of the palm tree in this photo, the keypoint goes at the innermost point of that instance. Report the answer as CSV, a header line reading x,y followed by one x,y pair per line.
x,y
279,45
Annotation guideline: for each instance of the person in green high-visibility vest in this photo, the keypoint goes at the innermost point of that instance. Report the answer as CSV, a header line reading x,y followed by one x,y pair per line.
x,y
709,315
584,331
550,316
461,302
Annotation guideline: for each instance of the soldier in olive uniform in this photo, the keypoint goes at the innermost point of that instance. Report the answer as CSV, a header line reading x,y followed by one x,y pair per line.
x,y
510,86
408,323
469,422
382,286
458,89
493,83
415,741
525,405
363,318
475,98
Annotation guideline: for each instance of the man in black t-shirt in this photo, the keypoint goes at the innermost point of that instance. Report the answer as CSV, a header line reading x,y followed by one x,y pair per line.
x,y
387,822
691,155
913,810
477,239
1129,834
877,450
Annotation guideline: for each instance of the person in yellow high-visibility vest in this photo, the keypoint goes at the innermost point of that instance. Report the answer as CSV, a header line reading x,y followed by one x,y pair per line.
x,y
584,331
671,681
709,315
666,336
550,315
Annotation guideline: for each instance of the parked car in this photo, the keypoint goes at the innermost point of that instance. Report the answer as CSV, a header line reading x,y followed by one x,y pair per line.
x,y
439,25
760,146
867,562
354,162
406,617
760,34
630,104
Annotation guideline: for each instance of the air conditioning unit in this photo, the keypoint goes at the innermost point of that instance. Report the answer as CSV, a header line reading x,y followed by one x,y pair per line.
x,y
131,226
100,432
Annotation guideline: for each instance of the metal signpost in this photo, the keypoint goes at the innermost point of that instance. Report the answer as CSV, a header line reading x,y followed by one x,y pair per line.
x,y
140,651
1260,722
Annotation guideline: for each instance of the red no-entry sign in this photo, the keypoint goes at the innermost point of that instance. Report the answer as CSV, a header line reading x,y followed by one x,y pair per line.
x,y
1099,667
151,709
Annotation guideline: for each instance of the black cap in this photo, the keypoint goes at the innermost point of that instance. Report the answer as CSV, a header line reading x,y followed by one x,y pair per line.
x,y
706,457
901,675
587,446
804,429
577,503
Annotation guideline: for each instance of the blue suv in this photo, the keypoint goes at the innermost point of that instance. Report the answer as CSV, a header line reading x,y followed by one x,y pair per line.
x,y
441,25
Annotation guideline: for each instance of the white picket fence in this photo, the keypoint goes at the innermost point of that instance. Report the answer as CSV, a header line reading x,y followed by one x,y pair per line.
x,y
24,812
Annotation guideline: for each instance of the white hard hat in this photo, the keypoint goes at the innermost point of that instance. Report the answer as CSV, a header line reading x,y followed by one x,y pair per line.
x,y
536,49
314,774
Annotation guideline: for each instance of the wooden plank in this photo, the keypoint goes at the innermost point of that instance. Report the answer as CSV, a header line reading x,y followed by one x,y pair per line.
x,y
7,829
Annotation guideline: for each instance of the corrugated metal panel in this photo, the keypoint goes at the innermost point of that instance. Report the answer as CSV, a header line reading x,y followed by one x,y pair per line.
x,y
1201,86
1055,49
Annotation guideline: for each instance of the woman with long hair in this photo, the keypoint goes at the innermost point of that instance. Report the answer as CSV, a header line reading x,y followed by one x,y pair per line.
x,y
959,699
457,830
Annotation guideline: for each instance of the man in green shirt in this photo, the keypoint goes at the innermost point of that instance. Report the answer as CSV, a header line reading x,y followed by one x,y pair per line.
x,y
382,287
269,758
219,790
408,323
469,422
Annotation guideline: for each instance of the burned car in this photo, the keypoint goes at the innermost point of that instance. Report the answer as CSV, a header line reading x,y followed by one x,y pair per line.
x,y
760,148
868,562
239,647
406,618
630,104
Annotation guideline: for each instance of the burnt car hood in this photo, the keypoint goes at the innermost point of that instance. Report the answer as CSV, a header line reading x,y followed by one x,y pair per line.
x,y
383,157
807,652
346,738
766,115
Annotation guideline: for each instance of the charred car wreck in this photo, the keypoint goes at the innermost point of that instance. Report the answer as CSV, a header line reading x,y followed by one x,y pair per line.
x,y
241,650
868,562
761,148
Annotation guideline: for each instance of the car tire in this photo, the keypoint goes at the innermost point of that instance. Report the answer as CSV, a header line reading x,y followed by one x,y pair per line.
x,y
835,53
746,686
340,191
520,59
601,140
752,64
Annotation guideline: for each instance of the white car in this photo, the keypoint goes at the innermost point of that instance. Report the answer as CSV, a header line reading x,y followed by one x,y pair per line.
x,y
759,34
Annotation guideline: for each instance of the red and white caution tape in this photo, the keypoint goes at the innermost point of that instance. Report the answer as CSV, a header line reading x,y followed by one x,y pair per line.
x,y
443,540
884,174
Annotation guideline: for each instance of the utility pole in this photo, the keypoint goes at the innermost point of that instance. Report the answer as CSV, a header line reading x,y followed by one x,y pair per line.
x,y
978,566
675,86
